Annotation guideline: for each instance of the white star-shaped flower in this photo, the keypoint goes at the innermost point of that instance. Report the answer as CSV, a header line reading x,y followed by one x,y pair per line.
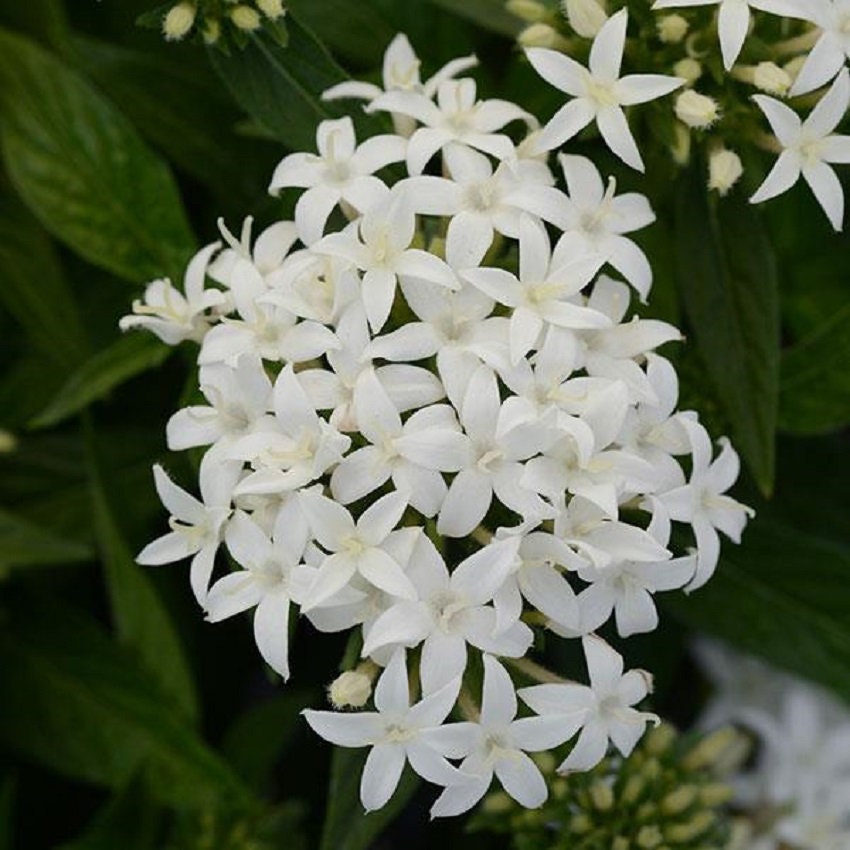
x,y
809,147
603,710
733,19
831,50
599,93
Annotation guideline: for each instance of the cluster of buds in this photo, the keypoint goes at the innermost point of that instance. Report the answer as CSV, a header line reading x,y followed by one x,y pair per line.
x,y
669,793
218,22
430,422
770,51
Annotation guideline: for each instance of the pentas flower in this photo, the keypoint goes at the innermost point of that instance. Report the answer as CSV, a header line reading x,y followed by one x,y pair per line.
x,y
832,48
436,427
599,93
809,147
734,18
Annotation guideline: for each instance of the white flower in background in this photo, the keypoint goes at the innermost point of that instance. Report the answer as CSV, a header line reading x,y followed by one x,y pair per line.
x,y
600,93
497,745
702,501
341,172
396,732
196,526
401,72
272,577
174,316
603,711
832,48
586,17
809,147
733,19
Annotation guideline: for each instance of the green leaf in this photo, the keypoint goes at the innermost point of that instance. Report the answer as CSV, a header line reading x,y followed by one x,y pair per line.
x,y
129,820
181,108
82,168
489,14
815,387
782,595
127,357
34,290
280,87
256,740
347,826
7,813
25,544
726,275
74,700
141,621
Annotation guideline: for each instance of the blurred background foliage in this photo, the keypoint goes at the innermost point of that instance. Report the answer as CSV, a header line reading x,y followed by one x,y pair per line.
x,y
124,720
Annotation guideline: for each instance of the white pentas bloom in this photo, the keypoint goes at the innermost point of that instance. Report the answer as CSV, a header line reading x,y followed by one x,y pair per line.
x,y
435,425
733,19
832,49
599,93
809,148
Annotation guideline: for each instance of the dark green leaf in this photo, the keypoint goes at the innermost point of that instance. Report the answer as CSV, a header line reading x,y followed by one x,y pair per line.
x,y
181,110
25,544
141,621
815,387
782,595
73,699
347,826
7,813
84,171
127,357
33,289
130,820
280,87
490,14
727,279
255,742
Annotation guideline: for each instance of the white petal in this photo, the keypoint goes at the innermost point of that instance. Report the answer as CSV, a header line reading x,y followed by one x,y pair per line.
x,y
615,131
379,569
334,574
589,750
783,175
478,577
567,122
460,798
378,291
635,612
604,664
360,473
345,730
606,53
271,631
233,594
176,500
827,189
522,779
558,70
377,417
824,61
733,22
465,504
640,88
312,212
171,547
392,693
498,698
831,108
784,122
535,734
330,522
405,624
380,518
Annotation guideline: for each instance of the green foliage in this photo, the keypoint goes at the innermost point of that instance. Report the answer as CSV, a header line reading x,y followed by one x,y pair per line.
x,y
25,544
346,826
726,274
667,792
84,170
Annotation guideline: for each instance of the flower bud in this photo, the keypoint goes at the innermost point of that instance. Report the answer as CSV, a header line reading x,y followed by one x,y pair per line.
x,y
794,67
683,833
688,69
8,441
350,690
724,170
178,21
602,796
681,148
696,110
531,11
586,17
672,29
541,35
649,837
272,9
212,32
245,18
769,77
679,800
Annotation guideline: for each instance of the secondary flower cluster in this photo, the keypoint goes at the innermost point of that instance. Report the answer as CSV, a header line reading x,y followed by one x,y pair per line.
x,y
429,423
795,792
710,110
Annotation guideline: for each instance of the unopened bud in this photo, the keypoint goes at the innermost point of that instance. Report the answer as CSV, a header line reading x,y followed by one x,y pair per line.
x,y
531,11
212,32
620,843
649,837
681,147
769,77
497,803
688,69
545,761
682,833
659,740
272,9
245,18
350,690
724,170
672,28
696,110
586,17
602,796
712,749
715,794
794,67
8,441
541,35
178,21
679,800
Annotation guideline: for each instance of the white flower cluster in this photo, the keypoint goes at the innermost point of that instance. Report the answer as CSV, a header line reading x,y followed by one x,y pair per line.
x,y
798,788
425,446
